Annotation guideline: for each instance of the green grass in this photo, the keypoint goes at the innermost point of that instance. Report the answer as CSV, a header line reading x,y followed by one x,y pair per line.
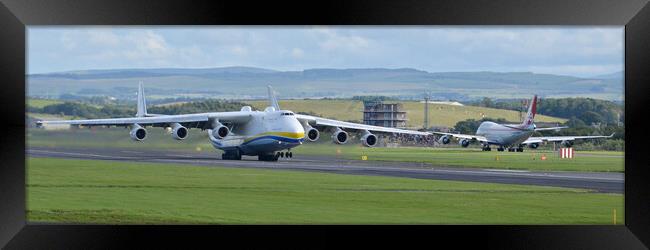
x,y
43,116
39,103
439,114
448,156
157,138
87,191
474,157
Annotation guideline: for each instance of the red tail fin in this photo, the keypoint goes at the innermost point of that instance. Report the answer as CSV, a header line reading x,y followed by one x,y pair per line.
x,y
532,110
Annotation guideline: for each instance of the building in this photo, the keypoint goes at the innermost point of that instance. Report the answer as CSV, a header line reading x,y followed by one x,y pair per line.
x,y
382,114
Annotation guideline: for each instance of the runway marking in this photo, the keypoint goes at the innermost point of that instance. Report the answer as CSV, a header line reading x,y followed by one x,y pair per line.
x,y
506,170
82,154
344,166
131,152
184,156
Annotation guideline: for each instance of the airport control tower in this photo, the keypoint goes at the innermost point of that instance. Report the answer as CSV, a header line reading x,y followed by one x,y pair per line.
x,y
382,114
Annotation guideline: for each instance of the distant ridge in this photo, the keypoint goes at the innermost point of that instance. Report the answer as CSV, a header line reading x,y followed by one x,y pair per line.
x,y
615,75
250,82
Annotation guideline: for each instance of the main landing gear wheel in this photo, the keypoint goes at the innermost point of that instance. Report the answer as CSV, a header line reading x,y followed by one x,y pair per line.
x,y
520,149
500,149
486,148
231,155
283,155
269,157
511,149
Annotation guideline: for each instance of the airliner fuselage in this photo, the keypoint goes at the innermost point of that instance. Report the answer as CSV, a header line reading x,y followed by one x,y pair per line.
x,y
265,132
505,135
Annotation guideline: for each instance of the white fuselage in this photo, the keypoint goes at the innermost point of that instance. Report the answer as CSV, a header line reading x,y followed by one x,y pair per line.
x,y
264,132
505,135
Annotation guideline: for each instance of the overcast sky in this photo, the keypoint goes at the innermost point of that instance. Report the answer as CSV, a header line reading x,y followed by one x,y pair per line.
x,y
578,51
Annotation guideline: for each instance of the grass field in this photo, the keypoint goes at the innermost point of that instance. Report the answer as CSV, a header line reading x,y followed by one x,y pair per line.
x,y
87,191
43,116
449,156
474,157
39,103
439,114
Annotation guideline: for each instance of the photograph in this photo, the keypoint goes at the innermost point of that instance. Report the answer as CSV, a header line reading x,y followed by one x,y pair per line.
x,y
325,125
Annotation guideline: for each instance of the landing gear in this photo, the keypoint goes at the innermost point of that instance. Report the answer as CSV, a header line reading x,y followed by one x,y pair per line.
x,y
268,157
486,147
231,155
517,149
500,149
274,156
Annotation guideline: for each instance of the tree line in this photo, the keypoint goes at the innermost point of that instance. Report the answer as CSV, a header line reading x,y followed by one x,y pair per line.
x,y
579,111
89,111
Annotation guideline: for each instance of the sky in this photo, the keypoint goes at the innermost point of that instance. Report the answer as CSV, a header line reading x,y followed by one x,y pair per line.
x,y
564,50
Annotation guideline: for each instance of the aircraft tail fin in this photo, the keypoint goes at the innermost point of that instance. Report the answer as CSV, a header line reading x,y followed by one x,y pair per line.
x,y
532,110
273,102
142,103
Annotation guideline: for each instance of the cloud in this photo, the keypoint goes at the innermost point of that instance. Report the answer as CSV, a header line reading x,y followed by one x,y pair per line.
x,y
103,37
297,53
146,45
566,50
332,40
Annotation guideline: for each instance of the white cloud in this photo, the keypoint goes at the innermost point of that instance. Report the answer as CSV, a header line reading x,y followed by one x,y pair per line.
x,y
146,45
103,37
68,41
572,50
297,53
239,50
332,40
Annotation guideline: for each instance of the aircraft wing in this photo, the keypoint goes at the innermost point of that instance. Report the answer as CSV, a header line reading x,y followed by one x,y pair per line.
x,y
189,120
562,138
552,128
464,136
318,121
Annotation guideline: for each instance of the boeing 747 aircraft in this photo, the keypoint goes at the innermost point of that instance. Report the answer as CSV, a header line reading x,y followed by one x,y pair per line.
x,y
246,132
512,136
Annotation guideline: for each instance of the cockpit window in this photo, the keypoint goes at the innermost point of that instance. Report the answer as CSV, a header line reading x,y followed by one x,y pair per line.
x,y
287,114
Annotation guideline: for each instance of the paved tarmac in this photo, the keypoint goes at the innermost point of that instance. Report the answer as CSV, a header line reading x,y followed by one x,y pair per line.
x,y
595,181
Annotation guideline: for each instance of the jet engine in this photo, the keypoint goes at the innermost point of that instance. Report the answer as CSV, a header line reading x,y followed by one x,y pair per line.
x,y
567,144
138,133
179,132
368,139
533,145
219,130
312,133
444,140
339,136
464,143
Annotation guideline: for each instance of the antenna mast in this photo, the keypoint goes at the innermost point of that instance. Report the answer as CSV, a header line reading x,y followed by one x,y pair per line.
x,y
426,110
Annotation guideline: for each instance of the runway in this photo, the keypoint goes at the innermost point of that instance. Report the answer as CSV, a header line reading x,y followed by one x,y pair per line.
x,y
595,181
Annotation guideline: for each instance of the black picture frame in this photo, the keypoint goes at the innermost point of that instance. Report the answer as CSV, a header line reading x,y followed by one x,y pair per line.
x,y
15,232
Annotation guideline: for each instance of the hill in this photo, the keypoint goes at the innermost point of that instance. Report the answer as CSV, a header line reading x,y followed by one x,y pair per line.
x,y
250,83
439,114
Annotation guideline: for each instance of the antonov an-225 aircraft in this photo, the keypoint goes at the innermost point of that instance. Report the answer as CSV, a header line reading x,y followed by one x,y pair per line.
x,y
513,136
246,132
